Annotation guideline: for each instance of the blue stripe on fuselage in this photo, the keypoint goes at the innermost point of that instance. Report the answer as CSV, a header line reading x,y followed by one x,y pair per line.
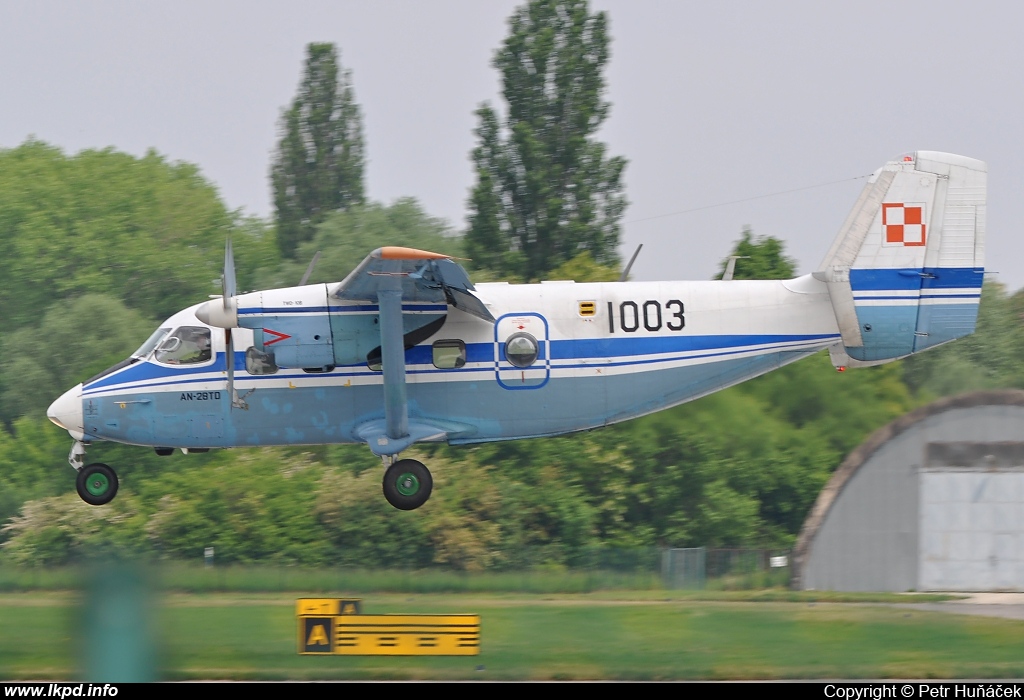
x,y
619,349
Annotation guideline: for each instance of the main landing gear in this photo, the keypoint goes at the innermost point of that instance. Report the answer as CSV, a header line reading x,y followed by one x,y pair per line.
x,y
96,483
407,484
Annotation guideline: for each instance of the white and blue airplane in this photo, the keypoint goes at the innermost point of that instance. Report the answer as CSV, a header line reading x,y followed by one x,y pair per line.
x,y
406,349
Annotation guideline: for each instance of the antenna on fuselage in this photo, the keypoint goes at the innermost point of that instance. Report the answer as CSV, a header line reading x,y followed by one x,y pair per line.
x,y
629,265
309,270
730,267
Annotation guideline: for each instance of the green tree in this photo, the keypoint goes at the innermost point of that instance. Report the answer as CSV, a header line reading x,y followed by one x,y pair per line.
x,y
759,258
582,268
249,506
33,464
145,230
318,167
73,342
63,529
546,190
990,358
346,237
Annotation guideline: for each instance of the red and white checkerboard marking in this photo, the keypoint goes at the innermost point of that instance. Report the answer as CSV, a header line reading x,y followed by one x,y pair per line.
x,y
903,224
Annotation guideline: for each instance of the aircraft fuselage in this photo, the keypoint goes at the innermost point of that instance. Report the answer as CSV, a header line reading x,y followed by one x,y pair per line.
x,y
605,352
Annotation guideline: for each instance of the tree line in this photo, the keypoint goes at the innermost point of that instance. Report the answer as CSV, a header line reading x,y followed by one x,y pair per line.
x,y
99,246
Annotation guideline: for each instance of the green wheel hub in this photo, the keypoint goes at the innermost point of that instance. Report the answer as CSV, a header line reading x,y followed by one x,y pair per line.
x,y
97,484
407,484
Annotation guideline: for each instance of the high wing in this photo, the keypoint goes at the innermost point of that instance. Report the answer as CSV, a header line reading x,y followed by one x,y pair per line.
x,y
389,276
420,276
303,335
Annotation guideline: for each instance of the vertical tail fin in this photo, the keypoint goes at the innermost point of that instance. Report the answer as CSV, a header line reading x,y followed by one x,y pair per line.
x,y
905,272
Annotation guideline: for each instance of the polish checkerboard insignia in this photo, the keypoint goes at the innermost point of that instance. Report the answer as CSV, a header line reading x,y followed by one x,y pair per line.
x,y
903,224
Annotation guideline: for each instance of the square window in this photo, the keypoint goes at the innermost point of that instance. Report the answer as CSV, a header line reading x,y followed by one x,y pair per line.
x,y
449,354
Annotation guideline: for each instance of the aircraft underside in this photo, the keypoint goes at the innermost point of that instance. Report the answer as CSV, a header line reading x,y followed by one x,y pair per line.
x,y
197,415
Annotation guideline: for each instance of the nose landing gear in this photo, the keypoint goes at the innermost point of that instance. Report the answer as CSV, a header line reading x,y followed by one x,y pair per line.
x,y
96,483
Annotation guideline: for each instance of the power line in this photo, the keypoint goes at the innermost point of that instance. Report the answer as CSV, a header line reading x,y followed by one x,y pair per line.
x,y
747,199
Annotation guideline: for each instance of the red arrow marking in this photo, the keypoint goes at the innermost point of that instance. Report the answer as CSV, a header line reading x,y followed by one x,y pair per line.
x,y
277,339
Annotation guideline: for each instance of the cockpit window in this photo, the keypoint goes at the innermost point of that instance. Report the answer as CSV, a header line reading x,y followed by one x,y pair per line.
x,y
143,352
187,345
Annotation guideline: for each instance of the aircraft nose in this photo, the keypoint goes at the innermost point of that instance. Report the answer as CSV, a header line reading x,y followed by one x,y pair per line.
x,y
66,412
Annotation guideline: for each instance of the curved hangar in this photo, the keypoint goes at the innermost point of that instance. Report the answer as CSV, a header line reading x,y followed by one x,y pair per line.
x,y
933,501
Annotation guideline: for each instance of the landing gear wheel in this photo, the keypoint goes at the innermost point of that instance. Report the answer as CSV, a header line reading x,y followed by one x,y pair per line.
x,y
407,484
96,484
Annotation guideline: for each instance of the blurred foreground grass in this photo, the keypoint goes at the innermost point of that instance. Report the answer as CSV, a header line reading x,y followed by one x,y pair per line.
x,y
622,635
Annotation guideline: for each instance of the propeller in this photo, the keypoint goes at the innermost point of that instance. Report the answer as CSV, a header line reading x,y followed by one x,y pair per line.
x,y
225,315
229,288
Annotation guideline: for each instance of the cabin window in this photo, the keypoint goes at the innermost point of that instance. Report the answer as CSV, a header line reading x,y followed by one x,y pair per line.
x,y
188,345
449,354
258,362
521,349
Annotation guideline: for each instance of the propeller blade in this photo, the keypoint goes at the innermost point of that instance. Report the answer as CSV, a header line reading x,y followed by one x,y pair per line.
x,y
309,270
229,286
229,357
225,314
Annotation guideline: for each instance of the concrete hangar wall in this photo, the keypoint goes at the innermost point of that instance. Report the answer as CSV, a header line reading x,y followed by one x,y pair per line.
x,y
934,501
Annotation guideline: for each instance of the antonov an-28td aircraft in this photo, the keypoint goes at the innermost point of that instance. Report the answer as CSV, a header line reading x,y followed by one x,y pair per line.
x,y
405,349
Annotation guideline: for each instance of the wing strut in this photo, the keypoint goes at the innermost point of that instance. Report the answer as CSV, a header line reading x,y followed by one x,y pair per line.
x,y
389,276
392,355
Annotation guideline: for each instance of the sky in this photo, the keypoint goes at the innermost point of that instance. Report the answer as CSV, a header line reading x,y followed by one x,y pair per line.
x,y
730,114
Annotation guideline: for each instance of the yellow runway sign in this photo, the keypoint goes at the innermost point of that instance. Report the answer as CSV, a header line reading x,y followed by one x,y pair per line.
x,y
337,626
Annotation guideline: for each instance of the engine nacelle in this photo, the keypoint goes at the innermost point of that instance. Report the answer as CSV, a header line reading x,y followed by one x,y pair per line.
x,y
292,323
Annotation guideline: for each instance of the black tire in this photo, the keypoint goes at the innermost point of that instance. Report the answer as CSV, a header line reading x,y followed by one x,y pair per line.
x,y
96,484
407,484
164,451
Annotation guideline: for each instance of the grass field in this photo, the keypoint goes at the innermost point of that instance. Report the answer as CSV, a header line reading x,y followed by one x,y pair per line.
x,y
648,635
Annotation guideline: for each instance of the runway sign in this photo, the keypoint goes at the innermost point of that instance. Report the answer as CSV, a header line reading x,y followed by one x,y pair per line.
x,y
337,626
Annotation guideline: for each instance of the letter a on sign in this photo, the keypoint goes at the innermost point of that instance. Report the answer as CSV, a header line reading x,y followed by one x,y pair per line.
x,y
317,633
317,637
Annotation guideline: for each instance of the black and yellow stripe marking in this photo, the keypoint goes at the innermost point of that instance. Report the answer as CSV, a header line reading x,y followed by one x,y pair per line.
x,y
407,635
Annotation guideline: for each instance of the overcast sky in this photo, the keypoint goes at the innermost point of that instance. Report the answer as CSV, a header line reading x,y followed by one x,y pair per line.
x,y
711,102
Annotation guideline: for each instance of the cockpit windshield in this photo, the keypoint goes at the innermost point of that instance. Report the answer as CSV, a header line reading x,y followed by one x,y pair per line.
x,y
187,345
143,352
